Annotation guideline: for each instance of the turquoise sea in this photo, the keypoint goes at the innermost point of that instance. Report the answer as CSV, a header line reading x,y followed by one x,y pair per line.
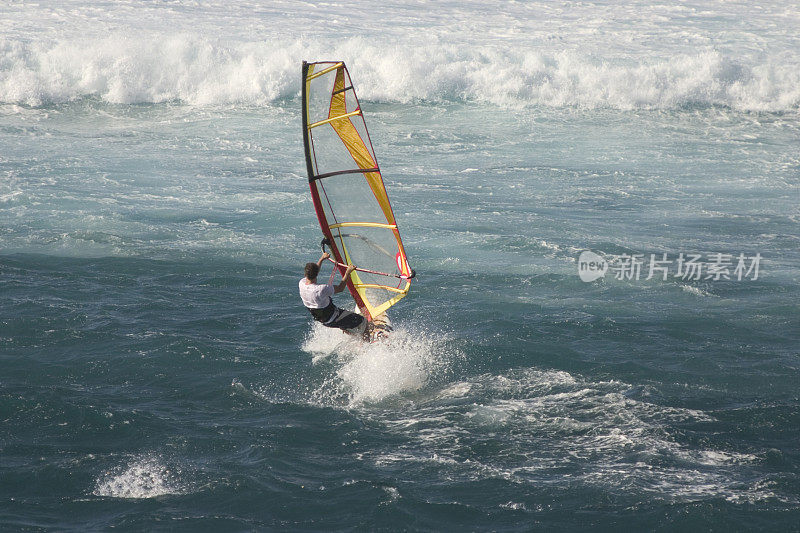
x,y
158,370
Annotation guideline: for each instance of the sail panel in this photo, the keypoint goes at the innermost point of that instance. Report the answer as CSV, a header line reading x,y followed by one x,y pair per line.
x,y
347,194
331,154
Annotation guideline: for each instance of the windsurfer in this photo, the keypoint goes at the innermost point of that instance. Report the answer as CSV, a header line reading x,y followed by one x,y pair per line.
x,y
318,298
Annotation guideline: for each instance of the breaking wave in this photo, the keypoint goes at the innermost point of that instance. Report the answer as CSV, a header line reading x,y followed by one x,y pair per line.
x,y
199,71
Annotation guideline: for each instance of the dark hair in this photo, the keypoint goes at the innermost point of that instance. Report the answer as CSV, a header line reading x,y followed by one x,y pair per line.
x,y
312,269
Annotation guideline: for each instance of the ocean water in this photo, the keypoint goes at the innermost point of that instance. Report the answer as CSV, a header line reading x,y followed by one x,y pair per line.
x,y
158,371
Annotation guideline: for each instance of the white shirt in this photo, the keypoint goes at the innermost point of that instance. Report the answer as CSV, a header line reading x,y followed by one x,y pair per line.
x,y
314,295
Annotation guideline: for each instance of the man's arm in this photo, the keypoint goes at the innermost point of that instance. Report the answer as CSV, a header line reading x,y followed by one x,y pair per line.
x,y
325,255
342,284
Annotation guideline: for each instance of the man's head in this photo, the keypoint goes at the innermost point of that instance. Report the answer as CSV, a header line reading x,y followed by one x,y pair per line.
x,y
312,269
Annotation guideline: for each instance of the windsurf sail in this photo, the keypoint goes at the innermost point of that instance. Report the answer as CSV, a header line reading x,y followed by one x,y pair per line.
x,y
348,191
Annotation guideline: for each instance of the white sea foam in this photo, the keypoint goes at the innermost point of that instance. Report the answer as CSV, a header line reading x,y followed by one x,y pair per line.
x,y
360,372
614,440
200,72
539,64
697,291
143,477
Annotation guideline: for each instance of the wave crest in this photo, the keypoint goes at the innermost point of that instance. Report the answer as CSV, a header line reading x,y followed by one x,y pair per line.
x,y
199,71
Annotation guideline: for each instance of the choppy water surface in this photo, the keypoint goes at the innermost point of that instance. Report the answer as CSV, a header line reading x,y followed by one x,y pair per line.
x,y
159,372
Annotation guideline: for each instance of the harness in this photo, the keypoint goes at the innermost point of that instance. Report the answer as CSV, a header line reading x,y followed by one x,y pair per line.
x,y
327,314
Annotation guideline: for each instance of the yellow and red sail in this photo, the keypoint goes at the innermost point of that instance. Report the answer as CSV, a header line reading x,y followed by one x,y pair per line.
x,y
348,191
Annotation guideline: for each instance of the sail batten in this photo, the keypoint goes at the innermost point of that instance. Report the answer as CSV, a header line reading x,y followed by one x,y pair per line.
x,y
339,117
338,172
324,71
363,225
352,205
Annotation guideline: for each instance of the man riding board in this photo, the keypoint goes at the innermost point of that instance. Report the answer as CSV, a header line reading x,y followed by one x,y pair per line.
x,y
318,298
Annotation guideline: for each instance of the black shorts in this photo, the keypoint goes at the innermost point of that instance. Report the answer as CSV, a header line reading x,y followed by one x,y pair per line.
x,y
344,320
334,317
